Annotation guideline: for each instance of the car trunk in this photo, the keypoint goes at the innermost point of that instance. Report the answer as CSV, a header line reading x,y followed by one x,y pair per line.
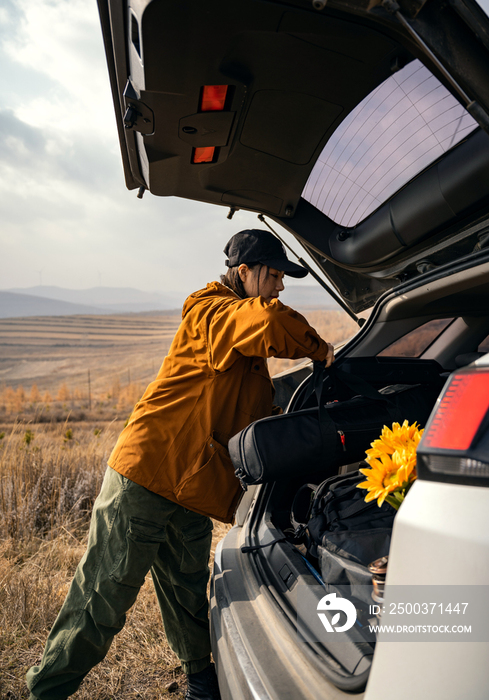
x,y
439,325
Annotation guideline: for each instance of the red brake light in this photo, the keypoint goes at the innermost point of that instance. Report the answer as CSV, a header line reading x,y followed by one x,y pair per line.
x,y
203,155
460,412
213,98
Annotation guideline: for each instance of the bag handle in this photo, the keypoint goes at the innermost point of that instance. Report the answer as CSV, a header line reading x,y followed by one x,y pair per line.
x,y
315,385
353,509
326,425
303,501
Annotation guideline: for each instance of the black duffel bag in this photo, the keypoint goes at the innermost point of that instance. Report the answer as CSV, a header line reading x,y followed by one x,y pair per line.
x,y
337,527
314,442
339,509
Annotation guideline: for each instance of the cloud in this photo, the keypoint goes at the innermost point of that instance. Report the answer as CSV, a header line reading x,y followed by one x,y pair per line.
x,y
58,129
19,141
65,209
51,175
61,39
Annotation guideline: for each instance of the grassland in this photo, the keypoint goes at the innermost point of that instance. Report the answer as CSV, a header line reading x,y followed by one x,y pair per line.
x,y
47,488
73,368
92,355
67,385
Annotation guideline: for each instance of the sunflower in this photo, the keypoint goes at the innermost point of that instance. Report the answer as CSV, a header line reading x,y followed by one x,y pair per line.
x,y
392,461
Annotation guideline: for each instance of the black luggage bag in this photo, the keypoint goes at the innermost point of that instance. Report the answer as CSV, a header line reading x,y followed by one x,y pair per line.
x,y
343,532
316,441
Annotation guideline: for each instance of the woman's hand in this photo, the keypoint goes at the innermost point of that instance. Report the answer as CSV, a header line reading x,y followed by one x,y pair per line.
x,y
330,355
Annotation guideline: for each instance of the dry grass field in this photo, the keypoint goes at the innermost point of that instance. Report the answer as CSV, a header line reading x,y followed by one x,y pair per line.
x,y
56,432
47,488
94,357
59,368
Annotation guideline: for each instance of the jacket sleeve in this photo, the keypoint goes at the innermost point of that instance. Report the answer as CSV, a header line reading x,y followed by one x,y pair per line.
x,y
257,328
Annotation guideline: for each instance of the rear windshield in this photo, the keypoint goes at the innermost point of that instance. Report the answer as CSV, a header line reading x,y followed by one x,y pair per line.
x,y
484,5
484,346
404,125
414,343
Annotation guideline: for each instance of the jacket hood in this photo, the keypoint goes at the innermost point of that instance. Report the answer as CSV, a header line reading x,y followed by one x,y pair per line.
x,y
212,289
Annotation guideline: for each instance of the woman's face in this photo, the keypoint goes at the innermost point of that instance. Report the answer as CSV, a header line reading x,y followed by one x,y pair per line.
x,y
258,283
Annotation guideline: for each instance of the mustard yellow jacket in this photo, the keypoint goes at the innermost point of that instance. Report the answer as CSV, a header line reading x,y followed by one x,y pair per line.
x,y
212,384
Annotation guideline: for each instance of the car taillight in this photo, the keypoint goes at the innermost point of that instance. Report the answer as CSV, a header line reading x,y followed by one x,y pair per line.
x,y
456,440
460,412
203,155
213,98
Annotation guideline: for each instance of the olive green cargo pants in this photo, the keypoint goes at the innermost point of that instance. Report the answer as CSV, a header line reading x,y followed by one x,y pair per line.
x,y
132,531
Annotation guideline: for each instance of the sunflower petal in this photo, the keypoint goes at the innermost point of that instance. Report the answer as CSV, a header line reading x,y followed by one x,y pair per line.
x,y
392,463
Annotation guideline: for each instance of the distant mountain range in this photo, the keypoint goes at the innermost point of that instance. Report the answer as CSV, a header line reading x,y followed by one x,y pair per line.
x,y
111,299
15,305
58,301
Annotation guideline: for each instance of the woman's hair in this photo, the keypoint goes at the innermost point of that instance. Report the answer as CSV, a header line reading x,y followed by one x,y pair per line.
x,y
232,279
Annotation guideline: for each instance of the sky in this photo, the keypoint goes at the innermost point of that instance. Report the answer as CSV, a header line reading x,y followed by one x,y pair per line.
x,y
66,217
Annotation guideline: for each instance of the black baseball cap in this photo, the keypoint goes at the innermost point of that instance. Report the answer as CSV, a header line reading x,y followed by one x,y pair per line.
x,y
256,246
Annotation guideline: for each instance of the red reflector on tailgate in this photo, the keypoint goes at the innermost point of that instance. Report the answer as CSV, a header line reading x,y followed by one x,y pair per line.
x,y
203,155
460,412
213,98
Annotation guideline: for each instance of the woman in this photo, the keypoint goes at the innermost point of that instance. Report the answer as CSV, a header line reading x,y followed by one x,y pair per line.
x,y
170,472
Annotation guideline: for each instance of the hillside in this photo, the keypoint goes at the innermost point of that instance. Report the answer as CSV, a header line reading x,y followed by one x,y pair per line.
x,y
14,305
60,301
110,299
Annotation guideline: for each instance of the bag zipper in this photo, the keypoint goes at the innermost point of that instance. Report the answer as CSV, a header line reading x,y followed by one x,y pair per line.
x,y
342,439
